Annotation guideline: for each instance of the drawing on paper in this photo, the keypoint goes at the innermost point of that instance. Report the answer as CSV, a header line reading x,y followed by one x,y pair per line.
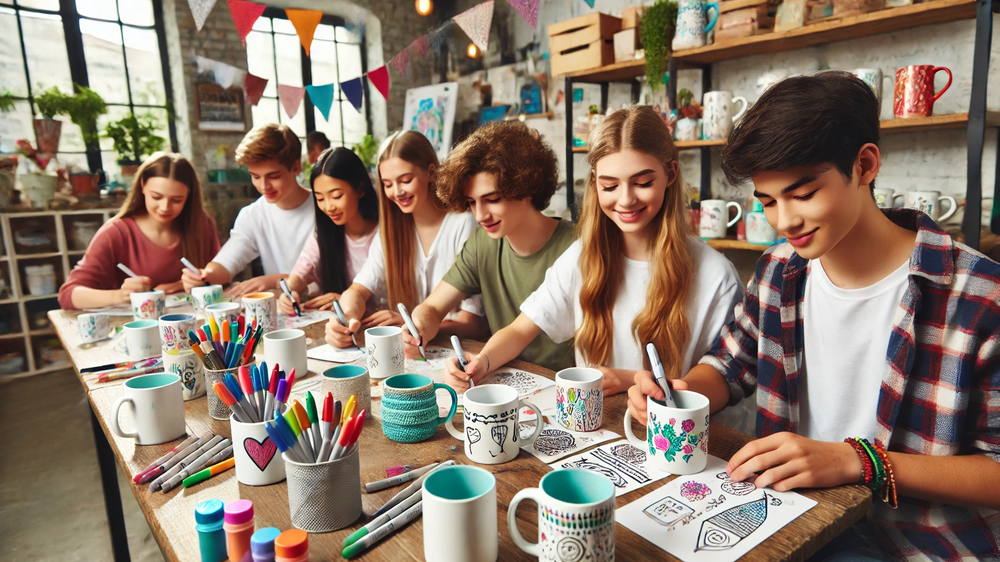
x,y
722,475
618,469
727,528
431,111
554,442
775,502
668,511
628,453
694,491
738,488
525,383
617,479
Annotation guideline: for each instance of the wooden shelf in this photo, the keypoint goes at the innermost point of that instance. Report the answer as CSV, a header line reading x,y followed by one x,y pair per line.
x,y
581,149
43,332
15,335
852,27
687,145
946,121
39,297
76,252
22,257
728,244
12,300
617,72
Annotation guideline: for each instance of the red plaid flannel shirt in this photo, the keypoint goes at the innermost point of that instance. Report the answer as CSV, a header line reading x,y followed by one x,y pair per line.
x,y
939,396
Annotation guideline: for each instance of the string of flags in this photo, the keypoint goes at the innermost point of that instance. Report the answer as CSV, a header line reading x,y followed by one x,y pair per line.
x,y
475,22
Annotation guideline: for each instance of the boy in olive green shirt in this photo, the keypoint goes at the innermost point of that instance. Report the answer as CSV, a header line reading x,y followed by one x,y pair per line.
x,y
505,174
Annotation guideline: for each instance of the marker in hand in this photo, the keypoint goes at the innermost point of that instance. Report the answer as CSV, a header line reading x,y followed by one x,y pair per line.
x,y
343,321
661,377
187,263
456,344
412,328
288,293
127,271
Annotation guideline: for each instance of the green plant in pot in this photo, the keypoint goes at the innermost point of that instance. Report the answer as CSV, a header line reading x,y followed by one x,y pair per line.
x,y
83,109
48,130
657,30
134,139
6,101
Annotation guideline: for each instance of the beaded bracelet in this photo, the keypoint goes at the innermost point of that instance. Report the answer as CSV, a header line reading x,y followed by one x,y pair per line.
x,y
880,474
889,489
867,469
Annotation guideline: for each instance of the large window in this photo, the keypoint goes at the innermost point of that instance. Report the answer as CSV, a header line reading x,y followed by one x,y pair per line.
x,y
115,47
275,52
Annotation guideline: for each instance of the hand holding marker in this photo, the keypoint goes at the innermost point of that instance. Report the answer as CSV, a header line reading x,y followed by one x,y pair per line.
x,y
412,328
661,377
288,293
187,263
343,322
456,344
127,271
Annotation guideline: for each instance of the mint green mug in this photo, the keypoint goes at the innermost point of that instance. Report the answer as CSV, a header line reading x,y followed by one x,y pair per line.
x,y
410,410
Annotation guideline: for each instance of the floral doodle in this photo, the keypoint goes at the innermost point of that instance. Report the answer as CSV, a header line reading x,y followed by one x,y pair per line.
x,y
666,438
694,491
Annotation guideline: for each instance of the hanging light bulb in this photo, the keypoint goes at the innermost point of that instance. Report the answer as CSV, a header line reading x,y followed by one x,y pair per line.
x,y
425,7
472,51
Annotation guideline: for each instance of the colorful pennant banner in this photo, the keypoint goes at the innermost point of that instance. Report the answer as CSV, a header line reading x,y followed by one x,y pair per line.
x,y
244,15
253,88
305,22
322,98
475,22
402,63
528,10
291,98
421,46
380,79
354,91
200,10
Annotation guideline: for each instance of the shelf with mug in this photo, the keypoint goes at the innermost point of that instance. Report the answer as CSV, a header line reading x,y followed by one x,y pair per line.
x,y
729,244
581,149
617,72
25,257
27,298
11,335
688,145
945,121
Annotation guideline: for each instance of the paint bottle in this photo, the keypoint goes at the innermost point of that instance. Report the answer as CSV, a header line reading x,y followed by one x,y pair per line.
x,y
239,528
262,544
211,538
292,546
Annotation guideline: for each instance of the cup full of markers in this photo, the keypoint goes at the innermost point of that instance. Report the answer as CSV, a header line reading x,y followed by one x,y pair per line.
x,y
223,350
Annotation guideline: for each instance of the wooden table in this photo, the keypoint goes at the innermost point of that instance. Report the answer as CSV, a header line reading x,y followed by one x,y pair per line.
x,y
171,516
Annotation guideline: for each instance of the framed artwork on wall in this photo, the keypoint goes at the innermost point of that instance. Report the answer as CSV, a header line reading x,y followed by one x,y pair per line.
x,y
219,109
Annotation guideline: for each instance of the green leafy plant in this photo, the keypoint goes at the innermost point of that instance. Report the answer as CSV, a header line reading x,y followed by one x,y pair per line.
x,y
134,137
83,108
658,23
6,101
366,150
51,102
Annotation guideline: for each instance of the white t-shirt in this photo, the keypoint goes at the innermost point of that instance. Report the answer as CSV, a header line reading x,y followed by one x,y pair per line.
x,y
846,342
264,229
714,293
430,268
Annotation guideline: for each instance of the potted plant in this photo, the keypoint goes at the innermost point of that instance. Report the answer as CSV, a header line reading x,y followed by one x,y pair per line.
x,y
134,138
657,30
6,101
48,130
83,109
37,186
366,150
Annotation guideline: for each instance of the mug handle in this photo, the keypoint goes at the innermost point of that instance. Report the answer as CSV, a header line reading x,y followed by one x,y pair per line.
x,y
711,24
454,403
951,209
895,195
641,445
115,427
533,494
538,422
946,86
739,213
742,109
450,426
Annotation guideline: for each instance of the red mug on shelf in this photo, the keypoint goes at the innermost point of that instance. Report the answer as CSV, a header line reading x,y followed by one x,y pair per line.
x,y
914,93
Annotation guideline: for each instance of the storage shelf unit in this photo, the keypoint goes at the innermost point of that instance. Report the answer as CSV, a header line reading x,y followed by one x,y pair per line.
x,y
19,306
852,27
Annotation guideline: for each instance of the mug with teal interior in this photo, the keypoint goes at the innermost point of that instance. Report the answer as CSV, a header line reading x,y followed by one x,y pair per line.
x,y
344,381
410,410
460,515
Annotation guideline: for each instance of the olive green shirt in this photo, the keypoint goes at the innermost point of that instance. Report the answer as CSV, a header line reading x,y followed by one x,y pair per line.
x,y
492,268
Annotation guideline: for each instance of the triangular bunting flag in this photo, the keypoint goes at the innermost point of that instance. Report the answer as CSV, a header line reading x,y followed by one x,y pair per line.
x,y
421,46
200,10
380,79
225,75
353,90
253,88
401,62
528,10
322,98
475,22
244,15
291,98
305,22
589,3
438,36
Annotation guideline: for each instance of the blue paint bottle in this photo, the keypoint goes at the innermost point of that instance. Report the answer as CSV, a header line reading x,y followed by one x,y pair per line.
x,y
208,516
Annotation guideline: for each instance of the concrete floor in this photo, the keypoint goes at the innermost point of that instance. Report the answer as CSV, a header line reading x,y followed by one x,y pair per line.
x,y
51,502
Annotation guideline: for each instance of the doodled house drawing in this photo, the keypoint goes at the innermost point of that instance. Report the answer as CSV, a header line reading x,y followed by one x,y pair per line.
x,y
668,511
726,529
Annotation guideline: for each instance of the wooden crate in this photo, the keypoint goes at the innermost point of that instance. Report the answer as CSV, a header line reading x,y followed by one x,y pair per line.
x,y
582,43
631,16
597,54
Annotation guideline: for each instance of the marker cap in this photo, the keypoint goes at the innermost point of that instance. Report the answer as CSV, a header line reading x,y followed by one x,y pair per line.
x,y
208,513
291,544
239,512
262,542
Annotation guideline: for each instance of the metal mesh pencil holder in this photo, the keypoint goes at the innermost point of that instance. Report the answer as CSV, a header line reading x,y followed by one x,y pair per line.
x,y
216,407
326,496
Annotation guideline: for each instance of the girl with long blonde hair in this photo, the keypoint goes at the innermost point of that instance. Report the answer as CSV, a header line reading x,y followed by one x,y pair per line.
x,y
419,242
636,275
161,220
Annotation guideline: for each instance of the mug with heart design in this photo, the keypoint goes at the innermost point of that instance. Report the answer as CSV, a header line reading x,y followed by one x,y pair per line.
x,y
677,438
258,462
720,115
93,327
174,330
492,434
930,203
410,408
715,218
914,94
147,304
187,366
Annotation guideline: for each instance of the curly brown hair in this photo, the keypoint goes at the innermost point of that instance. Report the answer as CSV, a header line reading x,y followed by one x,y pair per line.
x,y
523,165
270,142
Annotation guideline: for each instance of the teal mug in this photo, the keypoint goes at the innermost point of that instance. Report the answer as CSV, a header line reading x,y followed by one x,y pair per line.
x,y
410,410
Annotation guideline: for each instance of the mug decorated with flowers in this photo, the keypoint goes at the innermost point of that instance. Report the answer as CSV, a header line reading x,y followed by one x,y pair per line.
x,y
174,330
720,115
715,217
261,307
580,398
148,304
93,327
676,438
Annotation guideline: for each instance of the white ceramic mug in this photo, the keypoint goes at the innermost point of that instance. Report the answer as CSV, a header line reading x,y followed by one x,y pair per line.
x,y
872,77
93,327
885,198
930,203
174,331
258,461
691,28
715,217
576,517
157,409
677,438
187,366
460,515
223,312
206,295
142,339
148,304
385,351
719,115
287,350
261,306
492,433
759,231
579,398
687,129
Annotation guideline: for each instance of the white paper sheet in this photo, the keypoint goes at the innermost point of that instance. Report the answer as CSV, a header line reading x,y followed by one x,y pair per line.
x,y
437,358
327,352
555,442
707,518
622,463
527,384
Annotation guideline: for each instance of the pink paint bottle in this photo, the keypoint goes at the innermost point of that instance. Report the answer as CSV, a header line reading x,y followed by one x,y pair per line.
x,y
239,528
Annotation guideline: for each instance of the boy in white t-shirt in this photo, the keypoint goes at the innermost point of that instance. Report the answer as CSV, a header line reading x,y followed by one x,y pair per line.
x,y
870,338
276,226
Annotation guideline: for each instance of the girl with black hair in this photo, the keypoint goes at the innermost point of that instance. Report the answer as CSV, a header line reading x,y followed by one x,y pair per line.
x,y
346,224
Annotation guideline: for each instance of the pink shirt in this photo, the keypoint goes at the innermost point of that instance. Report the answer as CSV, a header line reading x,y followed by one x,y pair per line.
x,y
121,241
357,253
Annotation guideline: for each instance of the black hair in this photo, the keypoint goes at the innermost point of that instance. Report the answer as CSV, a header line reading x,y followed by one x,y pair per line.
x,y
317,138
342,164
824,118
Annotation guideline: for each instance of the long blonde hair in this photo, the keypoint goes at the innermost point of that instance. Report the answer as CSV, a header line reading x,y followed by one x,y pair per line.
x,y
190,224
663,320
398,228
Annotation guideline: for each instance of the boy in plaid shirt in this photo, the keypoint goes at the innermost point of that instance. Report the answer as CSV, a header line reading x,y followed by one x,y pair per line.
x,y
866,326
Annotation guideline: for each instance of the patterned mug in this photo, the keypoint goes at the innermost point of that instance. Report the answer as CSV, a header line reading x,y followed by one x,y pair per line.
x,y
719,114
914,92
691,27
174,331
676,438
93,327
580,398
410,408
492,434
147,304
